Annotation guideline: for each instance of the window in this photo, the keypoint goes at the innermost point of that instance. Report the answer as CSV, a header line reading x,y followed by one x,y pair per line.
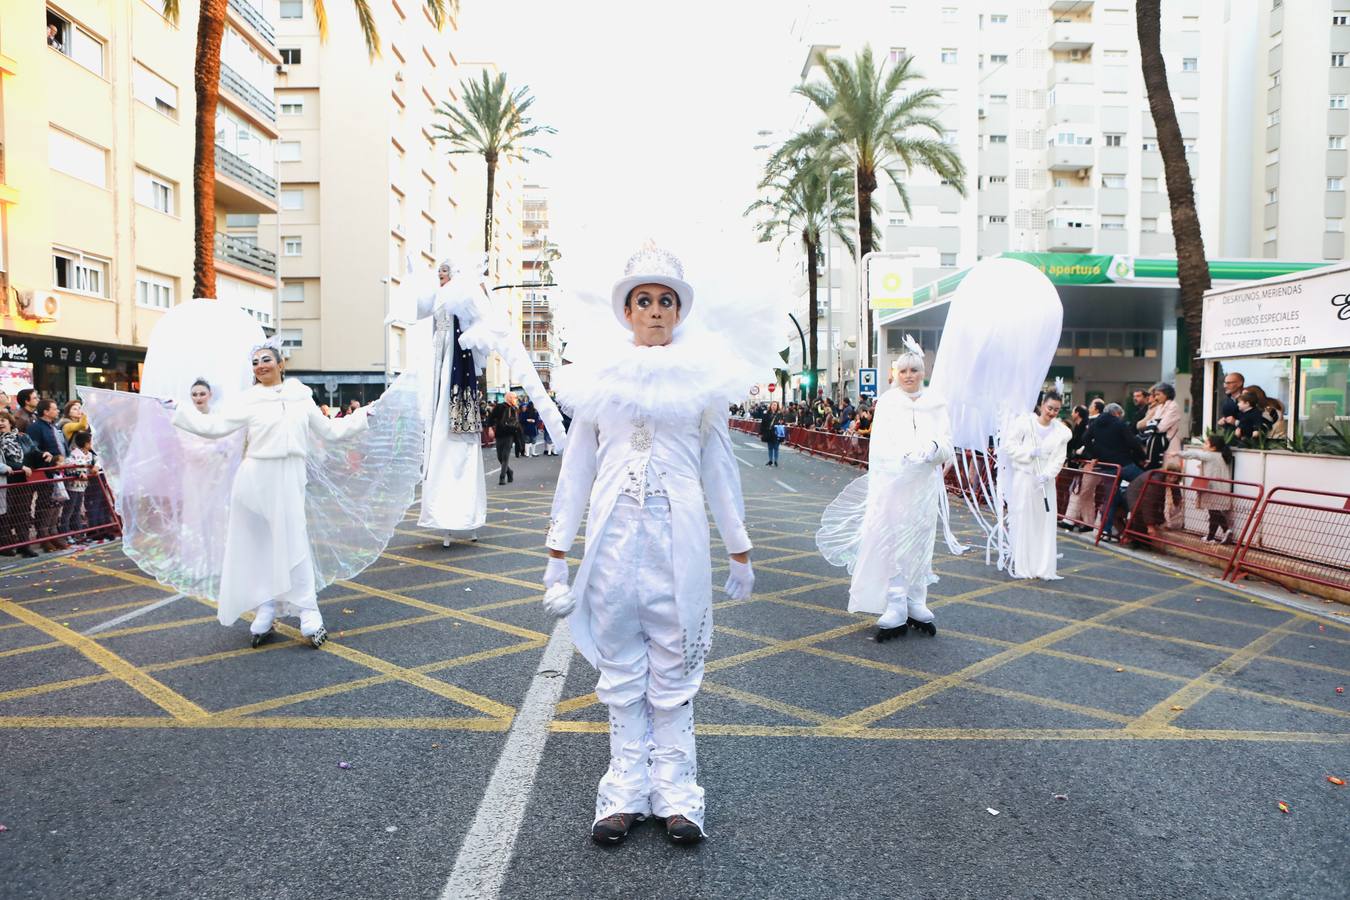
x,y
292,291
74,271
949,55
1148,226
291,9
291,338
1188,145
998,220
1335,184
69,39
294,199
1273,118
156,193
153,291
998,139
1336,142
1273,195
293,107
291,246
1113,223
1148,146
76,158
1271,234
1189,64
997,59
1335,226
897,55
998,179
949,137
998,99
241,220
1338,60
154,91
290,56
1116,57
1272,157
947,260
1340,18
1113,181
998,19
1337,101
289,151
1148,185
1113,140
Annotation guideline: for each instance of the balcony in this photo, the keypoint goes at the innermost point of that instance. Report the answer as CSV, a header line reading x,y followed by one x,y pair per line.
x,y
241,187
1069,73
250,96
1067,36
1064,6
1069,240
254,18
231,249
1072,197
1069,158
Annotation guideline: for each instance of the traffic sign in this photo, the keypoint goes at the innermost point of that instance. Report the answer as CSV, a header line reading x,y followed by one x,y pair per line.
x,y
867,382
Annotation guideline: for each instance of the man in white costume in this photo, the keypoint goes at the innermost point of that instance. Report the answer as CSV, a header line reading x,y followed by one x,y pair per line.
x,y
883,526
1036,445
648,440
454,494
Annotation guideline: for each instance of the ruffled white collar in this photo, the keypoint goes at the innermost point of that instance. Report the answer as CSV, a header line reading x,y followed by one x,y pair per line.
x,y
696,371
927,398
290,389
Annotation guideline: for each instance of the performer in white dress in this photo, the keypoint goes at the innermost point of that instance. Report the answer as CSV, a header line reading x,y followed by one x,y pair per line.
x,y
648,442
465,330
1036,444
267,566
883,526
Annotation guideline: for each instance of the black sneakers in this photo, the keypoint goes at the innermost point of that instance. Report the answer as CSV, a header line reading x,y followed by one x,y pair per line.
x,y
682,831
613,829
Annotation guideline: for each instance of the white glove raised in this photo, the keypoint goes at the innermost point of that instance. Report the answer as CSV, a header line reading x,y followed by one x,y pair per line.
x,y
924,456
555,572
1044,479
559,601
740,581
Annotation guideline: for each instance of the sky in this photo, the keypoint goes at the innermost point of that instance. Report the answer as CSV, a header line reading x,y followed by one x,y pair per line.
x,y
657,106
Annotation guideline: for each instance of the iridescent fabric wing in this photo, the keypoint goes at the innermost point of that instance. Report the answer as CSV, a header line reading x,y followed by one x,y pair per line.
x,y
359,490
171,489
841,525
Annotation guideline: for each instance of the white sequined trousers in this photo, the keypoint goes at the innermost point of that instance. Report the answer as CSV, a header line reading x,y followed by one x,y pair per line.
x,y
653,766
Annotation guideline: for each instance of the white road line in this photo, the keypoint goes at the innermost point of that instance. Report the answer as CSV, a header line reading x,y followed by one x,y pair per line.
x,y
748,465
484,857
104,626
786,487
493,472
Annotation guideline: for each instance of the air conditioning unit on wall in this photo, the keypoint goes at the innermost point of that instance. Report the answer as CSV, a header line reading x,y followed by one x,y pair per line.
x,y
40,306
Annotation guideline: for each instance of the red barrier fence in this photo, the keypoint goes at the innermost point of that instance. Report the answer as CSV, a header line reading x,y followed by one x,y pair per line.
x,y
53,506
1205,517
1083,491
1299,534
845,448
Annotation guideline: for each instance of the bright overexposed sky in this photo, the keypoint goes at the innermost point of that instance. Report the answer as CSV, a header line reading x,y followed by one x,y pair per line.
x,y
657,106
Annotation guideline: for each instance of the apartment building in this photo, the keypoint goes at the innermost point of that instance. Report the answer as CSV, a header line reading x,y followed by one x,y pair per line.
x,y
96,131
537,330
1045,104
369,202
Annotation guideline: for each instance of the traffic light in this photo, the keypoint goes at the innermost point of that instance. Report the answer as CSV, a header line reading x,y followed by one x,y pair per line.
x,y
808,385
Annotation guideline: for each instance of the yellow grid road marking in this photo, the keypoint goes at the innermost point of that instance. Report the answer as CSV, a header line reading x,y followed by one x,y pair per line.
x,y
261,722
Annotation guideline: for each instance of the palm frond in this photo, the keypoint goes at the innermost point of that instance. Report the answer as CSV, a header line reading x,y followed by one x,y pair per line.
x,y
171,10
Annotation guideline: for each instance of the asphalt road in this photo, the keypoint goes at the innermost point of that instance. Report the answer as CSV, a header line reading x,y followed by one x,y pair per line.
x,y
1133,728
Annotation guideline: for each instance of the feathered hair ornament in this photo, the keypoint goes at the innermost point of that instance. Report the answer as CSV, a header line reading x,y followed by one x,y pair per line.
x,y
1059,385
273,343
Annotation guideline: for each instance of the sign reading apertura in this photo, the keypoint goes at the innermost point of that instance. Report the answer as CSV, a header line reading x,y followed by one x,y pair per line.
x,y
1291,314
17,348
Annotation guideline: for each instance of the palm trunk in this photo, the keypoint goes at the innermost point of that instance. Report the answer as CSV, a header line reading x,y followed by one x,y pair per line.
x,y
866,184
491,159
812,311
1192,268
206,82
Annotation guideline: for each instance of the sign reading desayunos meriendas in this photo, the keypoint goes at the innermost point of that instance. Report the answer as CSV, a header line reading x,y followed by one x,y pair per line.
x,y
1278,316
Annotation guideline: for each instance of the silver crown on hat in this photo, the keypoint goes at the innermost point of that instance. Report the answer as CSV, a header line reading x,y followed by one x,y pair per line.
x,y
652,260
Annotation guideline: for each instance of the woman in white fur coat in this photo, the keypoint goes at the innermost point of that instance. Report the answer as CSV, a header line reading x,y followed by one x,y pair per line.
x,y
1036,446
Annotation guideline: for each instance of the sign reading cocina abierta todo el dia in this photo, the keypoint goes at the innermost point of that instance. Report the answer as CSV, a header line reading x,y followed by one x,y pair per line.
x,y
1291,314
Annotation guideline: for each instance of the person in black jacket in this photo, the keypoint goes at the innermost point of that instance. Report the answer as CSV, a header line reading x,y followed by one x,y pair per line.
x,y
52,444
504,420
1111,440
768,431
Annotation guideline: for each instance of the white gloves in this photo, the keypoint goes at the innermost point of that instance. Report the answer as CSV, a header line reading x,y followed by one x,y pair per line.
x,y
1039,453
740,581
558,599
924,456
1044,479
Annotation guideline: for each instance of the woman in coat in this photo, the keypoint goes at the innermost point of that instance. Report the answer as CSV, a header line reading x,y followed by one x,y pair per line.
x,y
769,427
1216,462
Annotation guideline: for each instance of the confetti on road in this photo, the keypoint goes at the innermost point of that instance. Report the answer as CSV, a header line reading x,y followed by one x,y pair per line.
x,y
1284,807
1339,782
344,765
991,810
1178,708
1061,796
1340,690
1120,668
347,612
4,828
391,829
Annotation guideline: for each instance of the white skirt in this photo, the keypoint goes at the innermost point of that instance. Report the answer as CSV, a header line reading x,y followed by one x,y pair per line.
x,y
454,494
267,553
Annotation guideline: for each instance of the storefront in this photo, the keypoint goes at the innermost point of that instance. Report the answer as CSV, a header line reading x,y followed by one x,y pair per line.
x,y
58,367
1290,336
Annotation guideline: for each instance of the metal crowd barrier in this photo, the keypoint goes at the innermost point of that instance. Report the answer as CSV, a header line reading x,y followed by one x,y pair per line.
x,y
1299,534
1084,490
1176,510
36,511
845,448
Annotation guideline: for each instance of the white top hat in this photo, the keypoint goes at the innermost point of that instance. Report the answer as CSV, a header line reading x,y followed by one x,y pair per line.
x,y
651,265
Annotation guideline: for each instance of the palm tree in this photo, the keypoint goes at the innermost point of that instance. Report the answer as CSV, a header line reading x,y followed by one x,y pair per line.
x,y
808,199
492,123
877,129
1192,267
206,85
